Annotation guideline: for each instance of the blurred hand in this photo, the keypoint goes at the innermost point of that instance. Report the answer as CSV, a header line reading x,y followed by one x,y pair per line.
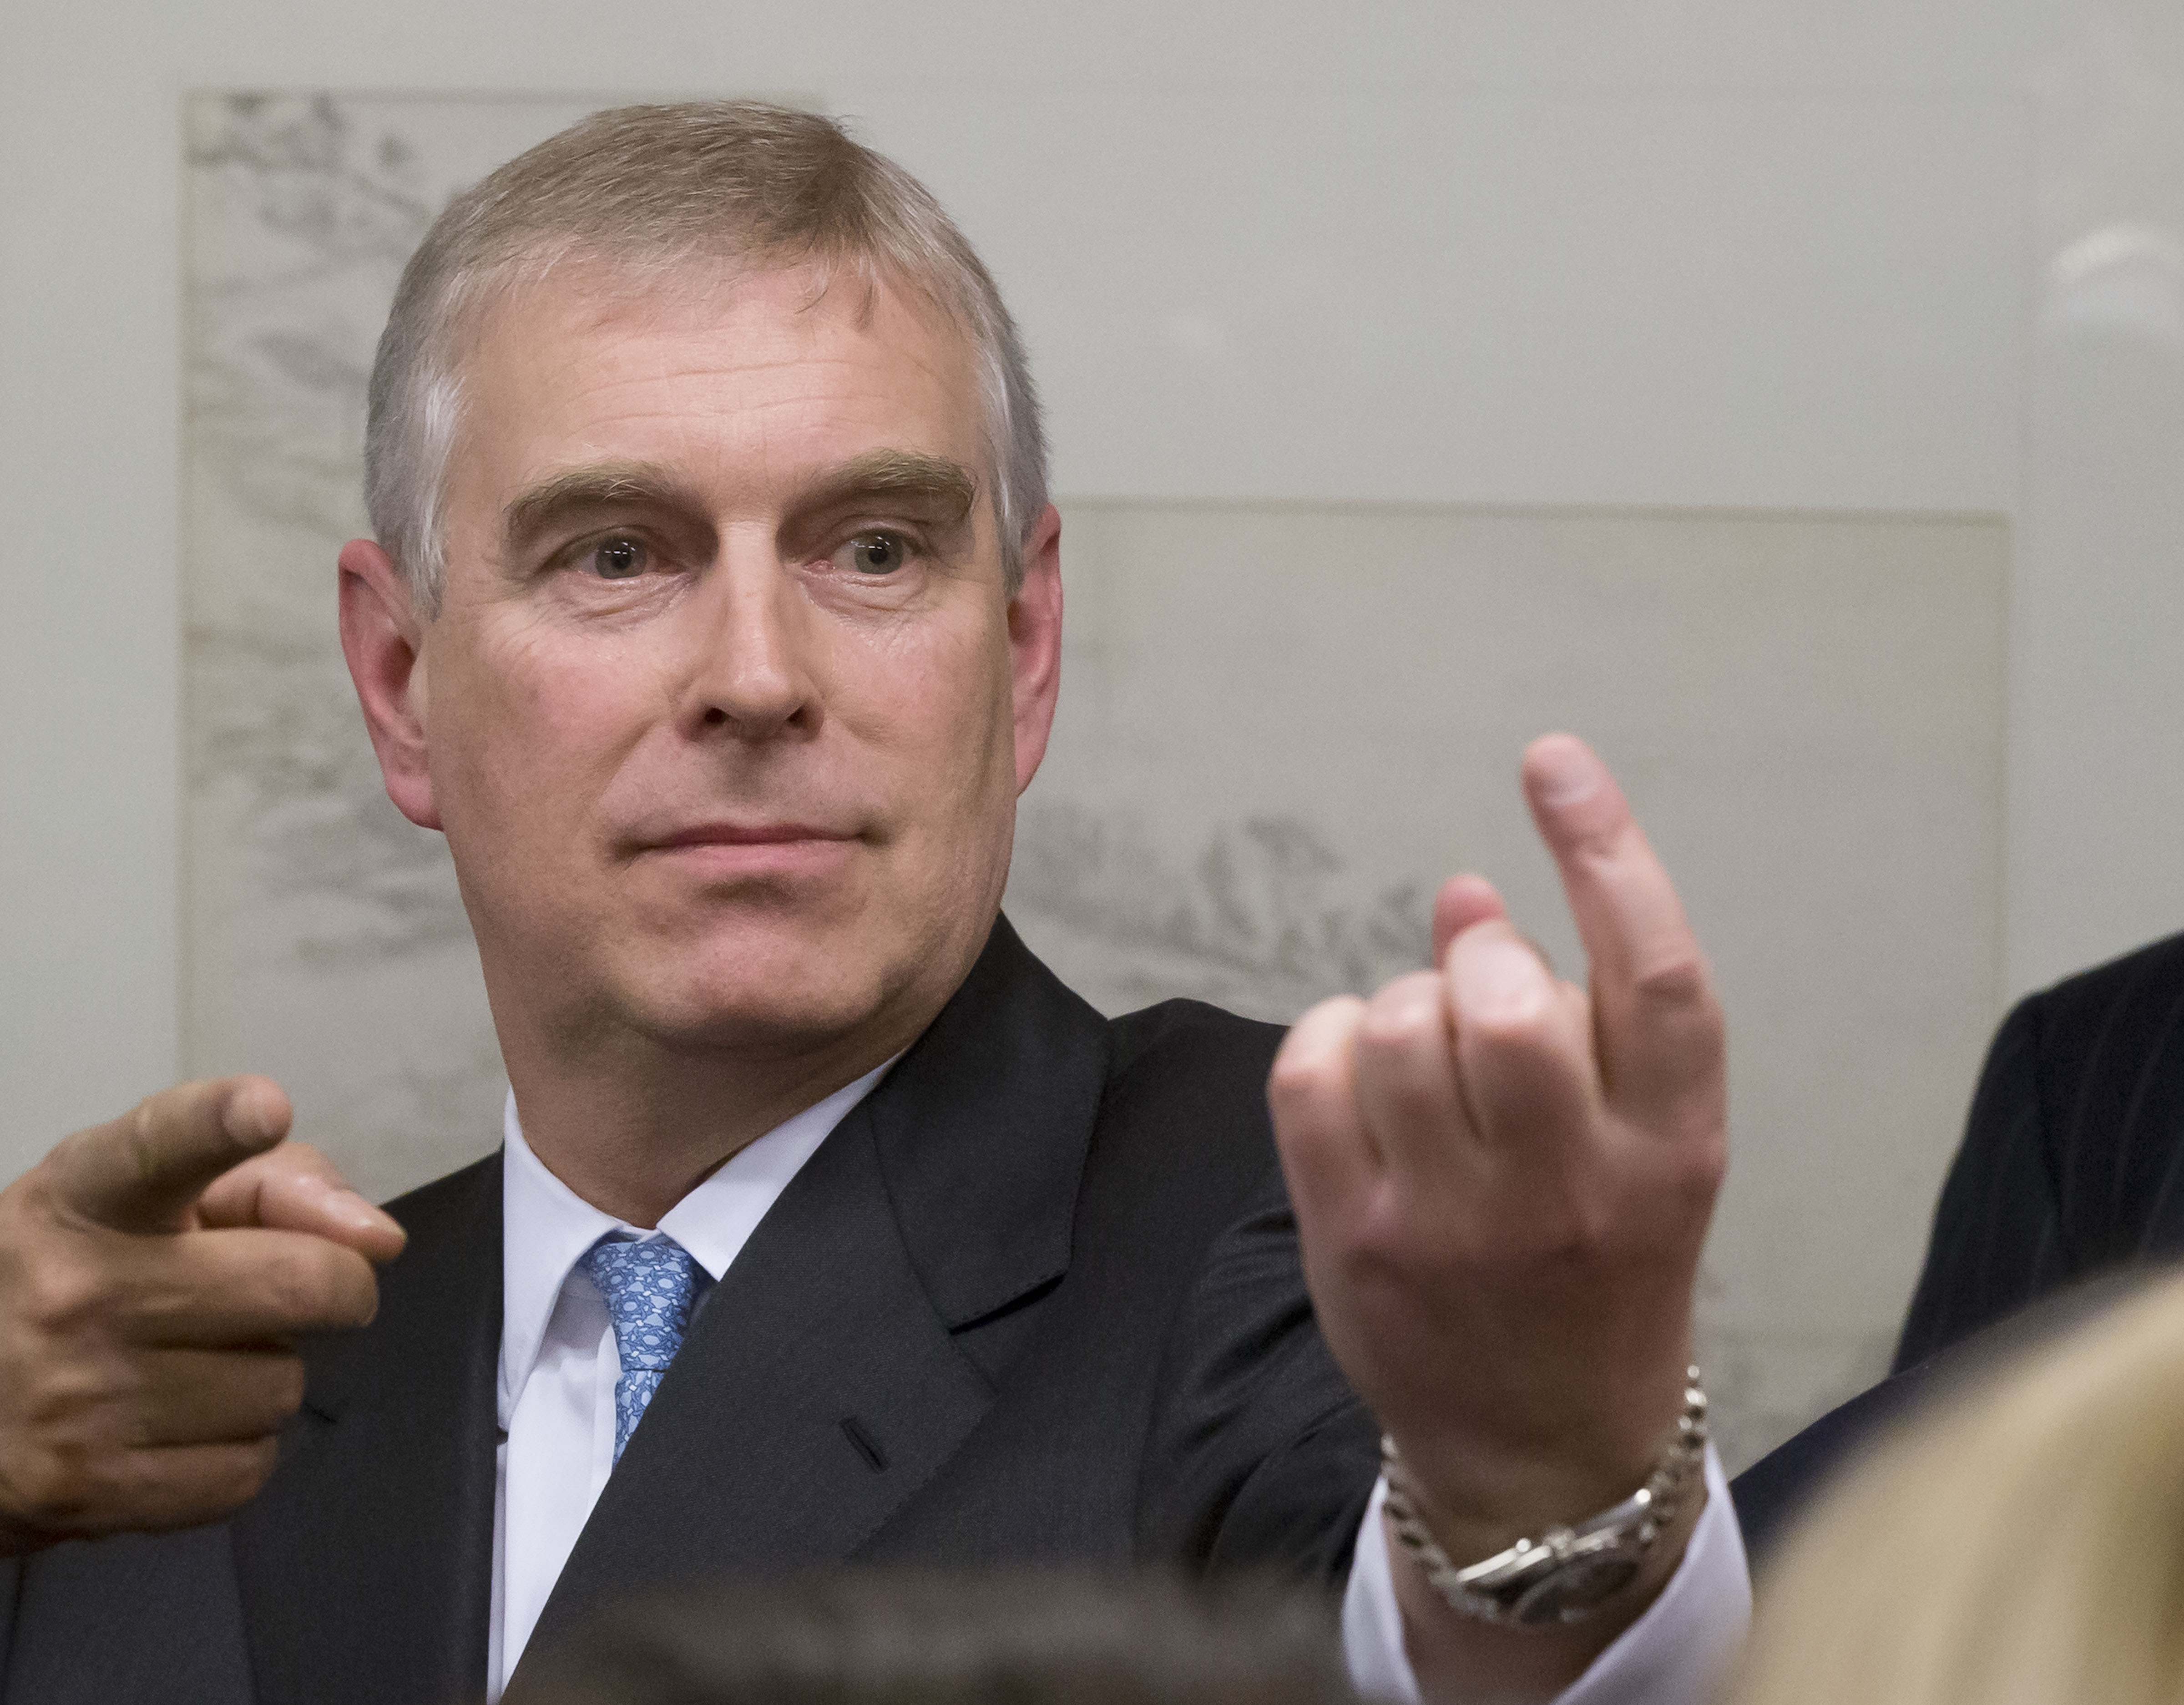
x,y
1502,1181
155,1273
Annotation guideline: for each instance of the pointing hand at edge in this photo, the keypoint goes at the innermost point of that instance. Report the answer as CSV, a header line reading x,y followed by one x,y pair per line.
x,y
155,1272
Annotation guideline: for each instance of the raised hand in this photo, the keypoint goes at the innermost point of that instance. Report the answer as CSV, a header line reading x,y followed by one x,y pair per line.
x,y
155,1274
1502,1181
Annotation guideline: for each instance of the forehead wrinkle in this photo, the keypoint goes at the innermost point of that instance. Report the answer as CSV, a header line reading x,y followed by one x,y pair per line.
x,y
838,381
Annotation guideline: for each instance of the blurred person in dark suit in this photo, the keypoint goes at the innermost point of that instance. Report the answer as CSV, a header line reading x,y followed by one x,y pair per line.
x,y
2071,1170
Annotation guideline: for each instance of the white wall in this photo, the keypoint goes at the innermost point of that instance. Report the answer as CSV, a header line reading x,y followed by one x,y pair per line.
x,y
1238,158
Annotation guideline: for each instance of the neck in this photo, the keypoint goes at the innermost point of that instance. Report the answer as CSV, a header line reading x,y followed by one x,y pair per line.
x,y
633,1128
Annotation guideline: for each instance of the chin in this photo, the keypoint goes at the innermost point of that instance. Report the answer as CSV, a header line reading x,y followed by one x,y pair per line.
x,y
711,1018
787,994
778,966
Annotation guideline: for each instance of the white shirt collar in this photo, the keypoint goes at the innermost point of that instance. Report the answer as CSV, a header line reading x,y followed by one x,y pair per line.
x,y
546,1227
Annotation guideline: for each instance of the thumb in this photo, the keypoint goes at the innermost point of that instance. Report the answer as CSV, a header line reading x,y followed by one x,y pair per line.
x,y
142,1171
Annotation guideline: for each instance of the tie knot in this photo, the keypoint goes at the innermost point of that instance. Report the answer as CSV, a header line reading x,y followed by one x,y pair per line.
x,y
650,1288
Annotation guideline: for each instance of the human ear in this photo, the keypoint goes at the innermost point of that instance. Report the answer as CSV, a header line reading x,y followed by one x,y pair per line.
x,y
1035,643
381,638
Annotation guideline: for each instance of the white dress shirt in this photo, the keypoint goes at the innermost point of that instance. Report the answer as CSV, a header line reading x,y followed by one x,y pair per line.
x,y
556,1394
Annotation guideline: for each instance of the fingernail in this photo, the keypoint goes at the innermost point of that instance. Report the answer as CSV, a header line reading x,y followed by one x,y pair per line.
x,y
1498,979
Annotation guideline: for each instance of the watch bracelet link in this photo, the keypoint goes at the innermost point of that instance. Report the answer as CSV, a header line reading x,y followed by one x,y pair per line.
x,y
1570,1572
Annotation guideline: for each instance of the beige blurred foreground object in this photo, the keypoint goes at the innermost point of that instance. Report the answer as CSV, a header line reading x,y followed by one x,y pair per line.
x,y
2022,1544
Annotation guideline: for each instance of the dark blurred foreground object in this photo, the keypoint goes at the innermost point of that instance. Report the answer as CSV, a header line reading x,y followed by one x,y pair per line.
x,y
1024,1638
2019,1541
2072,1167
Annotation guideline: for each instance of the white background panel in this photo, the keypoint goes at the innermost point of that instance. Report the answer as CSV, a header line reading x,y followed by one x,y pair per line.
x,y
1470,295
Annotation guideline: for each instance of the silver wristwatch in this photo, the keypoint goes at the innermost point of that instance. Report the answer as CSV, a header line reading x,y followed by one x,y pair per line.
x,y
1570,1572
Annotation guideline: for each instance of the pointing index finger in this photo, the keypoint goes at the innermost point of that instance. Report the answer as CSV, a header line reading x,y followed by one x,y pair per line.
x,y
293,1187
141,1173
1659,1028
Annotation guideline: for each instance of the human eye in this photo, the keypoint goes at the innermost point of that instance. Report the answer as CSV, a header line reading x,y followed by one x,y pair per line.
x,y
616,557
874,552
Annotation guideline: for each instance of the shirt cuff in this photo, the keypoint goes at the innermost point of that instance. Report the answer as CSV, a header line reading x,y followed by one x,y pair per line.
x,y
1678,1651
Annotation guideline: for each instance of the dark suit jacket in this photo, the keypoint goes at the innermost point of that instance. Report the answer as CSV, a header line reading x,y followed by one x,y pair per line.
x,y
2071,1170
1037,1298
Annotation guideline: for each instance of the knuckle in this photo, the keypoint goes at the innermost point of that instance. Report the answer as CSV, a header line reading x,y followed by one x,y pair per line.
x,y
1323,1027
1298,1082
292,1283
63,1296
1675,979
311,1283
1314,1052
53,1482
1400,1020
1514,1029
1383,1034
56,1402
261,1393
1600,841
215,1481
288,1163
1296,1068
140,1137
40,1491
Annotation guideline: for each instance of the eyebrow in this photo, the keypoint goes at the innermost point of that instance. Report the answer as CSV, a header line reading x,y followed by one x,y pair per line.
x,y
948,487
533,511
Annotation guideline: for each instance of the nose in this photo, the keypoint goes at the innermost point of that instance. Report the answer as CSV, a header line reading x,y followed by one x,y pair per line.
x,y
751,675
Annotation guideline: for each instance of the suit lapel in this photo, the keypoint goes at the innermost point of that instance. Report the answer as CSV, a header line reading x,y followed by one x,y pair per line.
x,y
366,1565
982,1129
799,1413
820,1385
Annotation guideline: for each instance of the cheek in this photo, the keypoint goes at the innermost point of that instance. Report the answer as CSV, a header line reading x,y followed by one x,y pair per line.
x,y
940,697
533,727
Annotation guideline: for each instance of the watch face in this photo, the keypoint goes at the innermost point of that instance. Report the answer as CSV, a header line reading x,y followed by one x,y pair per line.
x,y
1576,1588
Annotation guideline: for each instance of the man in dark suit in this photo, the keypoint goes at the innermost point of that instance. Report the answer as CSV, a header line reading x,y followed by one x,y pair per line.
x,y
2070,1173
715,617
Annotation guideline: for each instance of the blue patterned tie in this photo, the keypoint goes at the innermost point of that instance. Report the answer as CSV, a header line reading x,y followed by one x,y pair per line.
x,y
651,1288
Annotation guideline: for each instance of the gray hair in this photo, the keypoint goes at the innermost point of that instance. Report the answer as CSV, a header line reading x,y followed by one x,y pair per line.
x,y
648,191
